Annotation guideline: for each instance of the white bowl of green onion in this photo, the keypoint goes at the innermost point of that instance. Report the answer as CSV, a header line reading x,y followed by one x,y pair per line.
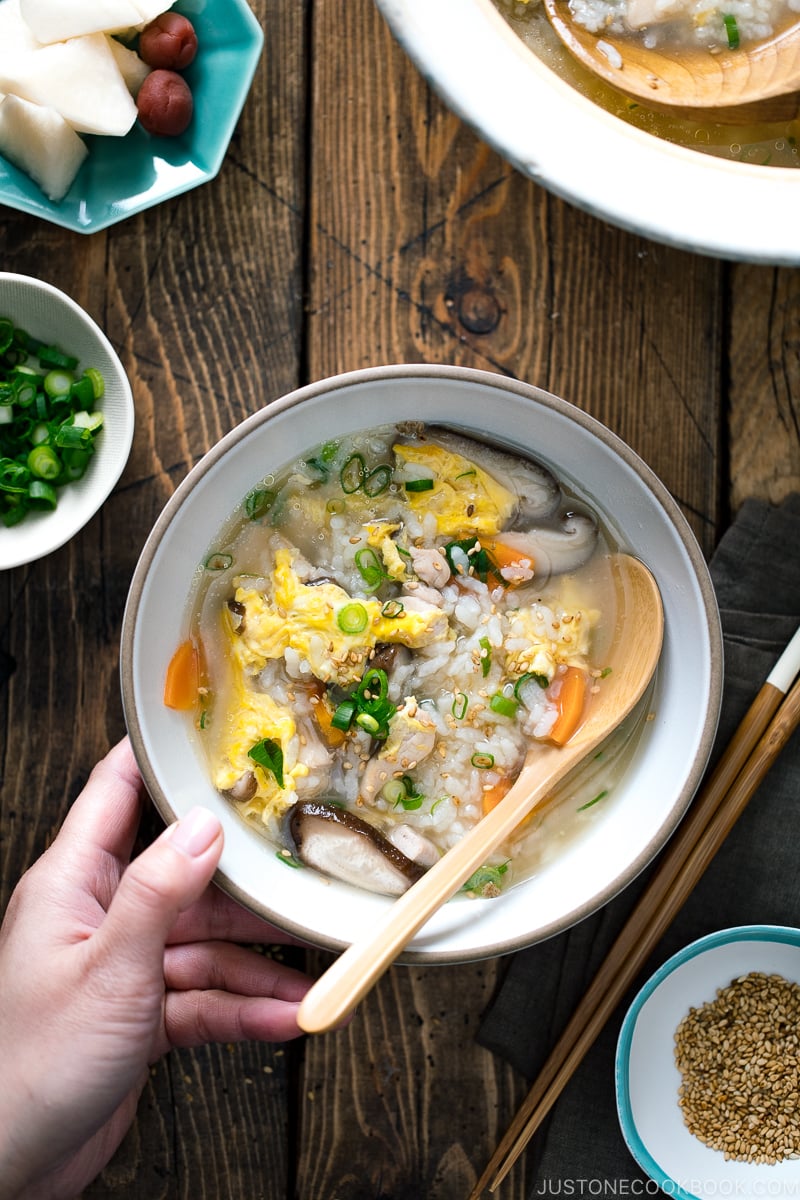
x,y
66,419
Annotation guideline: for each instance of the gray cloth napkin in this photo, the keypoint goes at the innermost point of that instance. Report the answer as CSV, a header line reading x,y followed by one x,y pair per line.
x,y
754,878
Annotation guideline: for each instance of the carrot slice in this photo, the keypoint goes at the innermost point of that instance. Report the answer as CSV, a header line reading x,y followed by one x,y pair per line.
x,y
183,677
570,700
323,715
503,555
493,795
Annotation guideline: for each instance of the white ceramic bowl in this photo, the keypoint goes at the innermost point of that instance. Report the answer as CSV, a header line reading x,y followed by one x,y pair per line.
x,y
51,316
570,145
669,758
647,1078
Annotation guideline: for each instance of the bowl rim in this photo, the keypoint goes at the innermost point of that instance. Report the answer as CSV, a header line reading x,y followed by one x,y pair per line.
x,y
634,179
122,443
368,375
783,934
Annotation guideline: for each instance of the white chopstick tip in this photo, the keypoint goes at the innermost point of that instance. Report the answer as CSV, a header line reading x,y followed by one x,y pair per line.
x,y
787,668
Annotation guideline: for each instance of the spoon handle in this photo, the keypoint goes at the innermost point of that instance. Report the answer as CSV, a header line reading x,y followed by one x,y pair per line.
x,y
337,992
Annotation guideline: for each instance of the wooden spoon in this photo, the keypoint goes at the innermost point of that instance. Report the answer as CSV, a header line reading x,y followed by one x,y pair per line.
x,y
749,85
632,660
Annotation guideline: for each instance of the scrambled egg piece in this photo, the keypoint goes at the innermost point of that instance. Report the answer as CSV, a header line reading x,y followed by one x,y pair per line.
x,y
254,716
549,644
306,618
464,499
379,537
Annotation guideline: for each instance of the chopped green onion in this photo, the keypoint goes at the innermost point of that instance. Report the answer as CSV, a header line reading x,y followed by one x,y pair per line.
x,y
374,685
369,568
378,480
47,423
13,516
319,466
73,437
343,715
393,791
268,755
58,383
97,381
460,706
504,706
600,796
486,656
42,494
82,392
419,485
44,462
218,562
541,680
483,762
352,618
258,502
288,859
329,451
393,609
353,474
479,562
605,672
51,356
486,880
368,722
14,476
731,30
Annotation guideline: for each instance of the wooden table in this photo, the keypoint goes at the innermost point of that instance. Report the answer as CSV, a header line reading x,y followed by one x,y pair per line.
x,y
356,222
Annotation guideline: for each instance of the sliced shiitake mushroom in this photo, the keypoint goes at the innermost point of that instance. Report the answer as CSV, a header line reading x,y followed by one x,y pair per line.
x,y
339,844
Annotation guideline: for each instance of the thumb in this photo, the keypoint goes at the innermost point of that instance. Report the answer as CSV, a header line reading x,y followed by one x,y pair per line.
x,y
160,883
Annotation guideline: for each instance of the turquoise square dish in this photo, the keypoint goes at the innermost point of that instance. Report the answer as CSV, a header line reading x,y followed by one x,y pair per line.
x,y
123,176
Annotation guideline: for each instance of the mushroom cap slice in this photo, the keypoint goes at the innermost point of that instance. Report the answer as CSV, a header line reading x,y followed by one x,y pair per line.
x,y
343,846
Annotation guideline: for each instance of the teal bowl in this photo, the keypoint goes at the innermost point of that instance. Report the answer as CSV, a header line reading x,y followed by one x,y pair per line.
x,y
647,1078
123,176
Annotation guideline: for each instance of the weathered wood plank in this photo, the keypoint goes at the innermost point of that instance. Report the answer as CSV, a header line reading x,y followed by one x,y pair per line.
x,y
764,405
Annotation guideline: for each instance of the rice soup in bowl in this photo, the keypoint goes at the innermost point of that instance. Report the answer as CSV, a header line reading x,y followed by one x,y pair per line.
x,y
574,860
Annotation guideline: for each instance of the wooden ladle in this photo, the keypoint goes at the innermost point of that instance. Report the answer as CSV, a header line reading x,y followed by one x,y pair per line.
x,y
749,85
632,659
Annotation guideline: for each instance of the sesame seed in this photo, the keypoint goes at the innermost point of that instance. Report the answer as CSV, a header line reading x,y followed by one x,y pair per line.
x,y
739,1059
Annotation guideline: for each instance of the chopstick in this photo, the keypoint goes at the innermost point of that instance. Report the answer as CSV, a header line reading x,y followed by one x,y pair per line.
x,y
759,739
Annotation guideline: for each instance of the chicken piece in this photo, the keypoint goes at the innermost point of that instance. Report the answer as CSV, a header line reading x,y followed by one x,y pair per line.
x,y
430,565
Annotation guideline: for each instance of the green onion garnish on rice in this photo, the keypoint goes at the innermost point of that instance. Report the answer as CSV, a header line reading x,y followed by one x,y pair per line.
x,y
503,705
486,656
218,562
600,796
731,30
392,609
352,618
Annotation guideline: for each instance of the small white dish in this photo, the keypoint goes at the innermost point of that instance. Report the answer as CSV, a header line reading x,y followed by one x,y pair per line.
x,y
50,315
647,1078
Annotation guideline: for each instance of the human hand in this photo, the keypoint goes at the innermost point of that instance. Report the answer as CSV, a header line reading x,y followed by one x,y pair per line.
x,y
105,964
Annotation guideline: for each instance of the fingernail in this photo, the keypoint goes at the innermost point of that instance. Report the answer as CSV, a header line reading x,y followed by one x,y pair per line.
x,y
195,832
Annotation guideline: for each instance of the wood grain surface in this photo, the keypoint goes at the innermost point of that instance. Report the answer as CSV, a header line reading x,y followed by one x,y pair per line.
x,y
355,222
